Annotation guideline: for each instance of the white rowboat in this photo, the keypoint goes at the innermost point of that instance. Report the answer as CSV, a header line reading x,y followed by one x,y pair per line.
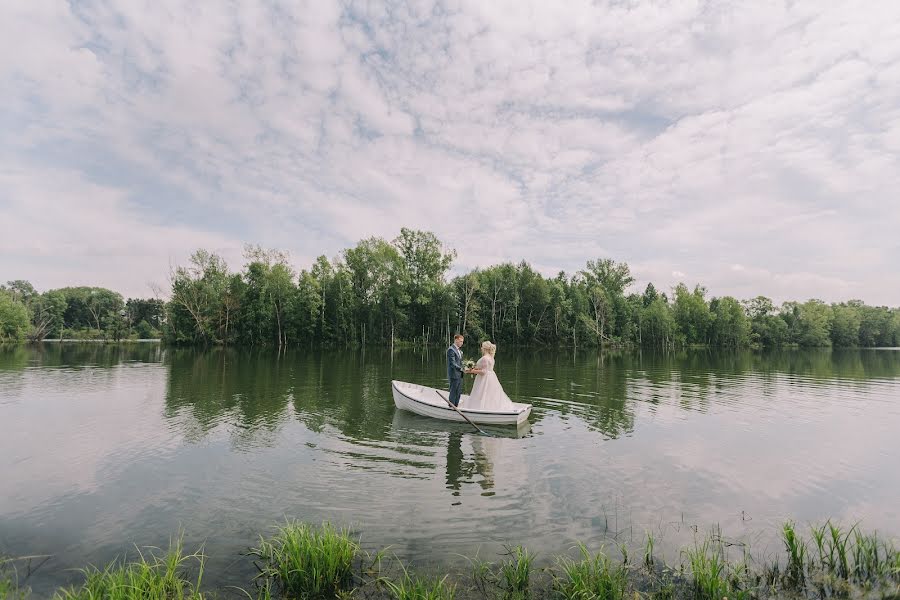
x,y
431,402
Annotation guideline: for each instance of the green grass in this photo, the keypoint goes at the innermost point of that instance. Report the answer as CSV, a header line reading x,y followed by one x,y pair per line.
x,y
515,573
303,561
9,586
151,577
649,560
415,587
591,578
712,577
796,549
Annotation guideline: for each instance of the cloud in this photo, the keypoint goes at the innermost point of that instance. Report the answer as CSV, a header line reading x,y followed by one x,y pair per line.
x,y
680,137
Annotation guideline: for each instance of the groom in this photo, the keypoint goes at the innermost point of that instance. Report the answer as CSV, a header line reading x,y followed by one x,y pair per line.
x,y
455,368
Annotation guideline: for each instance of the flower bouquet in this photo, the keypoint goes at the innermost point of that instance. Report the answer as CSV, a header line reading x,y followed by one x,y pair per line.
x,y
468,364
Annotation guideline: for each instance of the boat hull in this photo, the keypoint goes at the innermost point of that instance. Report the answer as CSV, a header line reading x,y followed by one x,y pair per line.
x,y
418,399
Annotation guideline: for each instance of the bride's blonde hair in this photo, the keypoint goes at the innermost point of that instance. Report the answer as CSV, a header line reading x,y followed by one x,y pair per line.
x,y
489,348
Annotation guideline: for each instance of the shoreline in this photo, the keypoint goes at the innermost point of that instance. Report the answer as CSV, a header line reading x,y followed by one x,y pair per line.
x,y
322,561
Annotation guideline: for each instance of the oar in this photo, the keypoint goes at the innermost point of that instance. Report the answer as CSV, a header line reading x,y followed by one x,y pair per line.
x,y
454,407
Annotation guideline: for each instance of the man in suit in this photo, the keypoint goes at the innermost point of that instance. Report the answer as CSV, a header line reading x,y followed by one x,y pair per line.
x,y
455,368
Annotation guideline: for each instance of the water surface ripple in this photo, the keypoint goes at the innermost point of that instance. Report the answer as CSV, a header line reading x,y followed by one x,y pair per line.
x,y
108,446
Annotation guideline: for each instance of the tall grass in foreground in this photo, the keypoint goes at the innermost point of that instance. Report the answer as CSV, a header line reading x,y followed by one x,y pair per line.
x,y
510,580
9,582
515,573
417,587
304,561
591,578
150,577
837,558
713,577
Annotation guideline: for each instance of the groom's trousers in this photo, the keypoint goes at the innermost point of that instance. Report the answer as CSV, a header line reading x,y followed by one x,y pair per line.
x,y
455,390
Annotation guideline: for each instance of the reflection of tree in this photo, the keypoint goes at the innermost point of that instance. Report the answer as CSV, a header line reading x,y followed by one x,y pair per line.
x,y
249,390
13,357
590,385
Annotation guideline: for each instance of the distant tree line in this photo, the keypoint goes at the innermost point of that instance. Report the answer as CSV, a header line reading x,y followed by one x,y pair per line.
x,y
398,292
86,313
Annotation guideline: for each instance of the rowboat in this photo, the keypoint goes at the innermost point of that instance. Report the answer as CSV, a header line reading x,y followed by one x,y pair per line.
x,y
431,402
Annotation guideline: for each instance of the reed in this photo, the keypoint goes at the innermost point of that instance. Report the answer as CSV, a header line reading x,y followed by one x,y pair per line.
x,y
796,548
591,578
415,587
515,573
150,577
837,543
9,585
649,560
712,578
303,561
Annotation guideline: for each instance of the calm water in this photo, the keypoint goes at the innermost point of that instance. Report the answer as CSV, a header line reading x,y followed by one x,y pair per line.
x,y
105,447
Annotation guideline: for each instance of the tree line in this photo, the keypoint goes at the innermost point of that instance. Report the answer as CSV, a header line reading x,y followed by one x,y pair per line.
x,y
399,292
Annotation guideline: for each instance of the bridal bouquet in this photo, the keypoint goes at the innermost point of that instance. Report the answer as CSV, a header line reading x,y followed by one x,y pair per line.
x,y
468,364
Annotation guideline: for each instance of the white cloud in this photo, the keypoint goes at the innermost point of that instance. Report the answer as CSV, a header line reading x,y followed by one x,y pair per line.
x,y
680,137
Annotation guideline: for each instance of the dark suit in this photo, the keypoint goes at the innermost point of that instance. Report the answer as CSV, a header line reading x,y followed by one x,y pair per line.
x,y
455,373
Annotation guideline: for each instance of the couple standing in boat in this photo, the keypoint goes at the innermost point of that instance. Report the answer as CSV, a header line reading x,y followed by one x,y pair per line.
x,y
487,393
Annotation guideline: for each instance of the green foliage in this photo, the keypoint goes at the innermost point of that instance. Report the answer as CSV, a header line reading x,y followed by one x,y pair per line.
x,y
796,548
515,573
14,318
145,331
845,325
591,578
809,323
730,325
9,584
150,311
150,577
692,314
197,310
307,562
416,587
383,292
713,578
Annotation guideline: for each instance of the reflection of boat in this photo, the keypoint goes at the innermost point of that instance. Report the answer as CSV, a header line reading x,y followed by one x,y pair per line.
x,y
430,402
405,423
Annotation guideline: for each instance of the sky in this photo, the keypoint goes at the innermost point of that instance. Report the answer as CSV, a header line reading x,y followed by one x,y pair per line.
x,y
749,146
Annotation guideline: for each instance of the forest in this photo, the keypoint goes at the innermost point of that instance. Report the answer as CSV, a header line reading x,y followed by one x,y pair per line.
x,y
400,292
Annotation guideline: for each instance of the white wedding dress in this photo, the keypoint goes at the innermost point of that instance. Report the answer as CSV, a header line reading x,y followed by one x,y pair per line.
x,y
487,393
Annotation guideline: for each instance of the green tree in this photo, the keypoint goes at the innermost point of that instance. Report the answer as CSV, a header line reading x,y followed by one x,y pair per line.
x,y
658,326
692,314
845,325
425,264
269,294
650,294
14,318
308,307
809,323
606,281
47,314
376,271
196,308
730,325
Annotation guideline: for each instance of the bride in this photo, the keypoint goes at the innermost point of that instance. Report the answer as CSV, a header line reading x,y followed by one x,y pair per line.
x,y
487,393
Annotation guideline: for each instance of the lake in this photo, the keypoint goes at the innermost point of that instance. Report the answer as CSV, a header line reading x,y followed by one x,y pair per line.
x,y
103,447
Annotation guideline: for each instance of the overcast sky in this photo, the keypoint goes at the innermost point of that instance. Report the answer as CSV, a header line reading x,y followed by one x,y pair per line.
x,y
751,146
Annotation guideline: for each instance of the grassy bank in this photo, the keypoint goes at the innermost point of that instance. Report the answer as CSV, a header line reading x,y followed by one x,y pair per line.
x,y
308,562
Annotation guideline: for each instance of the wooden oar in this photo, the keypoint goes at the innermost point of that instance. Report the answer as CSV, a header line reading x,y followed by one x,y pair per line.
x,y
454,407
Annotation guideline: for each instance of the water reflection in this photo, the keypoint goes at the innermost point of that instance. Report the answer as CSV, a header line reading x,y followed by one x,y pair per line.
x,y
113,444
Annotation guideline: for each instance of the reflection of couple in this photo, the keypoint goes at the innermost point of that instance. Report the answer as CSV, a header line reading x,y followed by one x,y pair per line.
x,y
487,393
485,452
